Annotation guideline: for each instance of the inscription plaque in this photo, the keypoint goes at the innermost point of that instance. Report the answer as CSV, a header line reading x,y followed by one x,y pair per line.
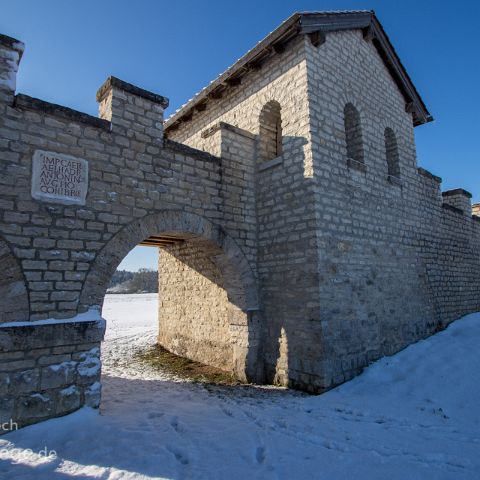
x,y
59,178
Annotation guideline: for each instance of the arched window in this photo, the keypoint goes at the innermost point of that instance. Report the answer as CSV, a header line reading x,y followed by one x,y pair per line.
x,y
353,133
391,151
270,132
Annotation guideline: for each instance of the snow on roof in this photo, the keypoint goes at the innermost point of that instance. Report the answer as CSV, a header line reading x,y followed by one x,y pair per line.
x,y
304,23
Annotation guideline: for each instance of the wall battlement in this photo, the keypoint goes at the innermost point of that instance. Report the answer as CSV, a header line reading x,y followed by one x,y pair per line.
x,y
11,51
58,253
460,199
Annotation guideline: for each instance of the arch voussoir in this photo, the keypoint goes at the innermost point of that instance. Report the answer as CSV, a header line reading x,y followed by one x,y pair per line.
x,y
201,230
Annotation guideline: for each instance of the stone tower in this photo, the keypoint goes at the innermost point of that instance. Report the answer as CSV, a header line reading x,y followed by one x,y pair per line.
x,y
358,252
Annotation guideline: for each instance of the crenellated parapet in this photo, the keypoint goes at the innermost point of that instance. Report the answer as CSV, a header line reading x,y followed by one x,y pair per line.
x,y
131,110
11,51
77,193
459,199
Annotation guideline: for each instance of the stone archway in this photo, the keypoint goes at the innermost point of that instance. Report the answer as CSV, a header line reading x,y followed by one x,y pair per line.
x,y
13,292
220,249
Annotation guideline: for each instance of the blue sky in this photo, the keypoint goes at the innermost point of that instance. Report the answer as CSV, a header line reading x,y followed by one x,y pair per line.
x,y
176,48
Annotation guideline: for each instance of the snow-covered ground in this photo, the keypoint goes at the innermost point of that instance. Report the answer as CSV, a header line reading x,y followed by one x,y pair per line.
x,y
415,415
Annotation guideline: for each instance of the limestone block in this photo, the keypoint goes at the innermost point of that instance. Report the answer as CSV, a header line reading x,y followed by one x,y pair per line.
x,y
93,395
24,382
34,407
6,409
59,375
4,383
28,337
68,400
88,369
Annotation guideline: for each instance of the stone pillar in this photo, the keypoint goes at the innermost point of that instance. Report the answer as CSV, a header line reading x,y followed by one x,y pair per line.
x,y
11,51
460,199
476,209
134,112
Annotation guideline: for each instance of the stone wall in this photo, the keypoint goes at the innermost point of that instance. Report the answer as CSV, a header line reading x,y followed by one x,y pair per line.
x,y
300,269
354,263
48,370
194,311
405,263
283,203
58,255
133,174
476,209
14,305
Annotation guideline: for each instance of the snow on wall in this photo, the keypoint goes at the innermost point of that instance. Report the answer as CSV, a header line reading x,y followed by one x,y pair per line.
x,y
92,315
8,77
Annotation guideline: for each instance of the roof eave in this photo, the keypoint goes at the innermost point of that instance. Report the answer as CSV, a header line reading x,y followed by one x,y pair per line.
x,y
418,108
308,23
373,30
282,34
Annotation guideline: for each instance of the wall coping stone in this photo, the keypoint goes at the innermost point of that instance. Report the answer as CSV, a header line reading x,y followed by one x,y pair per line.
x,y
12,43
394,180
114,82
190,151
210,131
28,337
227,126
29,103
270,163
426,173
457,191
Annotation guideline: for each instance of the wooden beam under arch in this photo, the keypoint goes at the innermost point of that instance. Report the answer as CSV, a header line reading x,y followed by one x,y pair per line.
x,y
161,241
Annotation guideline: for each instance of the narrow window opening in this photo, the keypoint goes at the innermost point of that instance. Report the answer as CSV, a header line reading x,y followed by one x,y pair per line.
x,y
270,132
391,152
353,134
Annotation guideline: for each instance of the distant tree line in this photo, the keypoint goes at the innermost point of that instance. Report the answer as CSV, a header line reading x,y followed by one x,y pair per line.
x,y
143,281
120,276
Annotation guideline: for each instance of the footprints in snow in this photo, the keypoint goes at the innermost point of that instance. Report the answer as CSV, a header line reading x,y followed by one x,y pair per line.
x,y
153,415
260,455
226,411
176,425
180,456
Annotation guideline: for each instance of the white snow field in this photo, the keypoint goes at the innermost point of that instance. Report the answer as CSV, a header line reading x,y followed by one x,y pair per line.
x,y
415,415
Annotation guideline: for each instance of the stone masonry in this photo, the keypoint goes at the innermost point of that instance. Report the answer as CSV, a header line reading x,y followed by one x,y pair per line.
x,y
196,318
299,239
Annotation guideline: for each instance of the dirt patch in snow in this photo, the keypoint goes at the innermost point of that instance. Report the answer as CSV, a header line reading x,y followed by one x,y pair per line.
x,y
161,359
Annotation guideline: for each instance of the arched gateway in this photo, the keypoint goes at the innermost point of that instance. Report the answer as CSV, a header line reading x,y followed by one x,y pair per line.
x,y
207,251
291,251
84,192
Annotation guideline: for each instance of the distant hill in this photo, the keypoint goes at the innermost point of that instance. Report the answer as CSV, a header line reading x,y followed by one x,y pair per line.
x,y
143,281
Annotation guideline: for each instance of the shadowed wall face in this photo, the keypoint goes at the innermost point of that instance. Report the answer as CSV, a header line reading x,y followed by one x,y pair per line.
x,y
13,293
194,311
